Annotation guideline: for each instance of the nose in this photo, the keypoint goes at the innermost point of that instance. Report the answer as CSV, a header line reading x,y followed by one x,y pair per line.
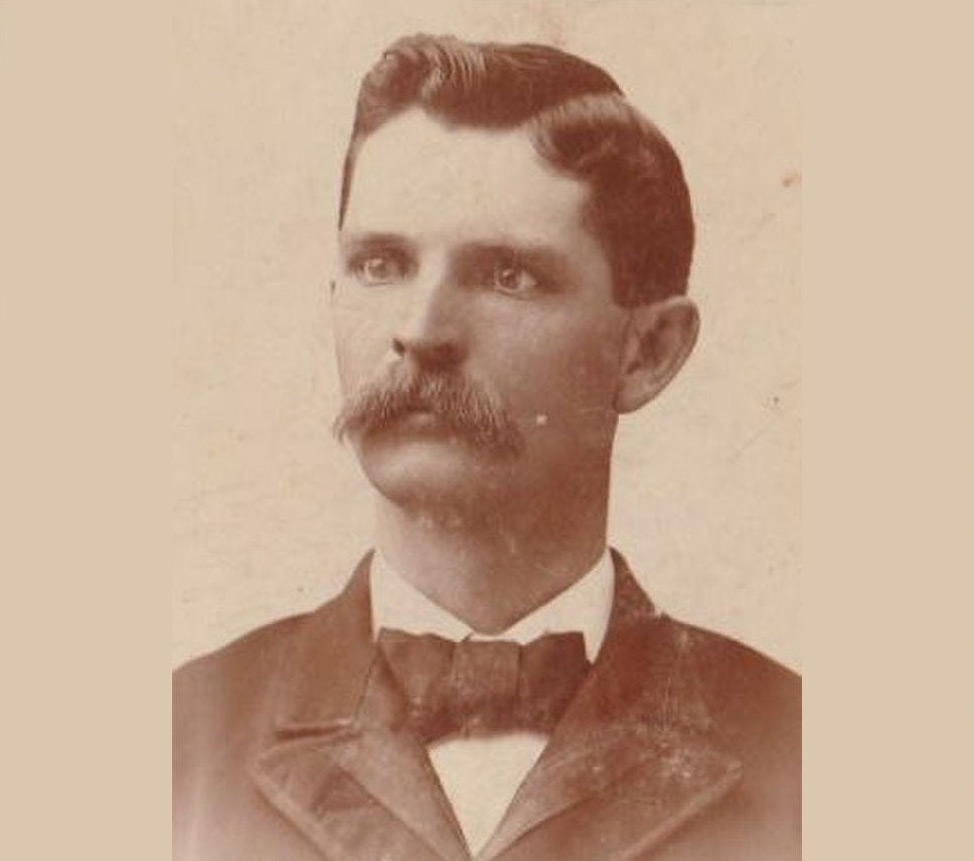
x,y
432,330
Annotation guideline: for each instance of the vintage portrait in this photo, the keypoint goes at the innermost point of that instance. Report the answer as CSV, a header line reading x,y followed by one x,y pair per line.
x,y
486,462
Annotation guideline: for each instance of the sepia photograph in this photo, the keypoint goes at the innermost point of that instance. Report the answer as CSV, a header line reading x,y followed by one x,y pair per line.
x,y
485,458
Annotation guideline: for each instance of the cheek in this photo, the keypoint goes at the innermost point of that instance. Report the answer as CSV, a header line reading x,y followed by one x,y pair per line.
x,y
568,372
361,343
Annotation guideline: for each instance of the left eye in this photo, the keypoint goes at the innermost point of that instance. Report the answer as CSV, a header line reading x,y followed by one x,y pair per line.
x,y
379,268
511,278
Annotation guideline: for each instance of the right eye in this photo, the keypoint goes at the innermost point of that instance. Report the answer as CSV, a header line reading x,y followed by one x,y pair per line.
x,y
378,268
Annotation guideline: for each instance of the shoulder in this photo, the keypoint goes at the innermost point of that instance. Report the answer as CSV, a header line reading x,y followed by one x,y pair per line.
x,y
748,694
235,668
236,692
755,705
742,685
227,694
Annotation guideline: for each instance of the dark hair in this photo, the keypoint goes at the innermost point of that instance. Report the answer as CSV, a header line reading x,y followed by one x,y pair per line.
x,y
578,120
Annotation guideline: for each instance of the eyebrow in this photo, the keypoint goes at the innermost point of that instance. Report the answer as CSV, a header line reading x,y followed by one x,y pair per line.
x,y
529,253
532,253
350,242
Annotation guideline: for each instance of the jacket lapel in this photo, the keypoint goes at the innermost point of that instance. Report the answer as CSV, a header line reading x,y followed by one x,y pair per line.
x,y
342,767
635,756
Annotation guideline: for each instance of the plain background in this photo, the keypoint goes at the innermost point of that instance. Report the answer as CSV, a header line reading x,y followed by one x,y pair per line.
x,y
270,514
86,316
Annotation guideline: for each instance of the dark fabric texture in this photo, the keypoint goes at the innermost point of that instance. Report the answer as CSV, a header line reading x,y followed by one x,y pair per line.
x,y
294,743
480,687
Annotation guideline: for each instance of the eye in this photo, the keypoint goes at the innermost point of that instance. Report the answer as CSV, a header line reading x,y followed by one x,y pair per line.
x,y
510,277
377,268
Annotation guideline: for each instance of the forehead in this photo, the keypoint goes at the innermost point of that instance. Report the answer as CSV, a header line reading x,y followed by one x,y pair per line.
x,y
419,177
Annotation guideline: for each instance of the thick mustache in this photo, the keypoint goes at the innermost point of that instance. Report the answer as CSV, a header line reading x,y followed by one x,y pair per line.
x,y
469,408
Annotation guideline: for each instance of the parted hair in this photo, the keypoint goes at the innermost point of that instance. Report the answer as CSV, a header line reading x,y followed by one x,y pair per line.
x,y
578,120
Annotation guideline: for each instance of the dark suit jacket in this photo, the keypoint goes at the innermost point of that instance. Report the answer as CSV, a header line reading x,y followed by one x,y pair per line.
x,y
681,744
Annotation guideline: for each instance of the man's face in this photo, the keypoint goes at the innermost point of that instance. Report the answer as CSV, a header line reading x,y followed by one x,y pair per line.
x,y
464,257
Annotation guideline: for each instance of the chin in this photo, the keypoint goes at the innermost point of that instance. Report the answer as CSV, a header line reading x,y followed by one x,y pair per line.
x,y
417,472
431,474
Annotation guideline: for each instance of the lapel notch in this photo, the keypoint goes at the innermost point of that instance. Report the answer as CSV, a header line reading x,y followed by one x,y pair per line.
x,y
341,768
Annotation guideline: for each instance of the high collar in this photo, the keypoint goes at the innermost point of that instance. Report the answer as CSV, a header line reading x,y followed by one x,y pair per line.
x,y
584,606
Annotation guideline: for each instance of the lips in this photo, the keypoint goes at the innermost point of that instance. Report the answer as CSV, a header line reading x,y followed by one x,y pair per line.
x,y
420,417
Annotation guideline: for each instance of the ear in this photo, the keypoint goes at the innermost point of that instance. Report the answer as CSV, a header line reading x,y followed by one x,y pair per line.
x,y
658,340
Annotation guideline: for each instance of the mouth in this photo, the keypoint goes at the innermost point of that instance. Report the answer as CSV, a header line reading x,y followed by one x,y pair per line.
x,y
420,418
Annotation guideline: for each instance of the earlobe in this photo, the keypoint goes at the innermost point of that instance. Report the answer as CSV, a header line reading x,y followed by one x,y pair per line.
x,y
658,340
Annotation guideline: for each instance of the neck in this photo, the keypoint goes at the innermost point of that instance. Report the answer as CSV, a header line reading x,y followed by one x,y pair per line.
x,y
493,566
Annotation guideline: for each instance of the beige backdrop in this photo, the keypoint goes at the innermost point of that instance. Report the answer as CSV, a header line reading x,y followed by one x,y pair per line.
x,y
84,281
270,514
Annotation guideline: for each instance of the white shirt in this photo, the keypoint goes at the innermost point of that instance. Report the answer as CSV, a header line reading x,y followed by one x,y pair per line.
x,y
481,775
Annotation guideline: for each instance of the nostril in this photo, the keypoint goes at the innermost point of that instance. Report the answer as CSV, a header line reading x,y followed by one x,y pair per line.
x,y
430,355
442,356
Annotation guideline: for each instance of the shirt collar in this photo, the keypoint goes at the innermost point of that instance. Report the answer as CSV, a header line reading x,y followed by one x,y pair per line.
x,y
584,606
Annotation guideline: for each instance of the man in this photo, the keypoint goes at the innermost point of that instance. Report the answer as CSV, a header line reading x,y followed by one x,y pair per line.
x,y
515,244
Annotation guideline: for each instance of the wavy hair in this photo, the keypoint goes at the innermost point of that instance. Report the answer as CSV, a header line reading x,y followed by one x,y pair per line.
x,y
578,120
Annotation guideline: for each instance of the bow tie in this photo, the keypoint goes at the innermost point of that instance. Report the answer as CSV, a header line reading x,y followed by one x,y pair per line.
x,y
479,687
